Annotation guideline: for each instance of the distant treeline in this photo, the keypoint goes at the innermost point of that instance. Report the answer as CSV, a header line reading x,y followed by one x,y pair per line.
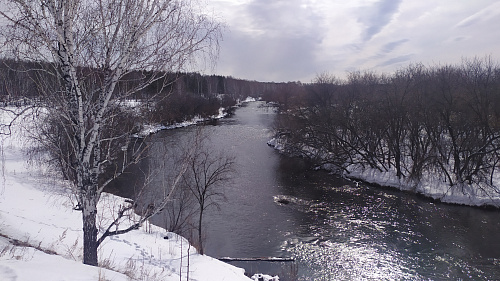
x,y
441,120
174,98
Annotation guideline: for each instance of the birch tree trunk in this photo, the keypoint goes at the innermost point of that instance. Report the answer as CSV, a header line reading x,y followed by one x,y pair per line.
x,y
89,213
90,46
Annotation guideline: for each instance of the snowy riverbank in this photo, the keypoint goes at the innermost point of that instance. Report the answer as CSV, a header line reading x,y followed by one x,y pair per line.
x,y
432,186
41,234
154,128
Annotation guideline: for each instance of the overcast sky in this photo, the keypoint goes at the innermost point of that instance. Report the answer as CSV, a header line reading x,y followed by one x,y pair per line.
x,y
292,40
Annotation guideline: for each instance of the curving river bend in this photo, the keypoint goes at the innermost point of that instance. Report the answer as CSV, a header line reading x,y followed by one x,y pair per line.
x,y
336,229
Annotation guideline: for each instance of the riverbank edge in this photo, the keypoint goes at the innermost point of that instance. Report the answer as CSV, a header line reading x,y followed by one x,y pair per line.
x,y
40,229
430,186
150,129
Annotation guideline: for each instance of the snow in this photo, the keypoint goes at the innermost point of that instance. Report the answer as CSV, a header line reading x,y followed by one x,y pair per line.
x,y
31,264
431,186
153,128
277,143
36,209
249,99
263,277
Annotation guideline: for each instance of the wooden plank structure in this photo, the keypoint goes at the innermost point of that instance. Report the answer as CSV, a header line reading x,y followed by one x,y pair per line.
x,y
268,259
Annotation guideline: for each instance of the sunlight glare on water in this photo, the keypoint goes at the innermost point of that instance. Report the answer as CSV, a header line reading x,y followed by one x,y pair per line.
x,y
363,233
343,261
344,245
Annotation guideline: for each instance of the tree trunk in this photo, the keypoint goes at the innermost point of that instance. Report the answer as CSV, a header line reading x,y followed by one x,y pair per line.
x,y
200,240
89,240
89,212
397,159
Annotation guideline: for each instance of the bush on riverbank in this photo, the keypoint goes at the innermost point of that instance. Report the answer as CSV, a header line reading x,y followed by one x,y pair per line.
x,y
434,130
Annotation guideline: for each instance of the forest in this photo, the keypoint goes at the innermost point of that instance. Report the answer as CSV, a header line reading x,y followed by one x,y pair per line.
x,y
421,120
177,97
441,120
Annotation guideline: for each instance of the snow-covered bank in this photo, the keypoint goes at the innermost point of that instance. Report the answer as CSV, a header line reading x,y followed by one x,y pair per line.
x,y
36,209
154,128
430,185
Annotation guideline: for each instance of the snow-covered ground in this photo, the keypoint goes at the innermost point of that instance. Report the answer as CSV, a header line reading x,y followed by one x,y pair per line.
x,y
432,186
41,234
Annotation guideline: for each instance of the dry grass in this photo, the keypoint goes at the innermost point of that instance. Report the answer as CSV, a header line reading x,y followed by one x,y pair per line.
x,y
15,243
134,269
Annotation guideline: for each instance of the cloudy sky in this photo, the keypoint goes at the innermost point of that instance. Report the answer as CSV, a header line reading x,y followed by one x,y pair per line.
x,y
294,40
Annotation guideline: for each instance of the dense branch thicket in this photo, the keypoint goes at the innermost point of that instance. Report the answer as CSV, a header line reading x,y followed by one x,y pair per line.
x,y
441,120
176,97
190,95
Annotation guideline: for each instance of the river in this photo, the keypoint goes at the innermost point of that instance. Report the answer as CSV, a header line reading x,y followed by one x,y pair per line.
x,y
334,228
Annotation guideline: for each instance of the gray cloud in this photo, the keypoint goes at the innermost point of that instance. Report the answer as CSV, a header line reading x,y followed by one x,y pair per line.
x,y
490,12
282,17
270,58
385,50
283,46
396,60
389,47
376,17
296,39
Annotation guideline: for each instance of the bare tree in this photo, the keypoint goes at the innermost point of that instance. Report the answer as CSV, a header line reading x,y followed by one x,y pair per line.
x,y
207,173
90,47
441,120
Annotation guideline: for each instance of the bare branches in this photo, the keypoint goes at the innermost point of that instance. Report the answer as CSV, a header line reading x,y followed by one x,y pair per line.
x,y
5,127
90,46
206,174
121,213
441,120
152,208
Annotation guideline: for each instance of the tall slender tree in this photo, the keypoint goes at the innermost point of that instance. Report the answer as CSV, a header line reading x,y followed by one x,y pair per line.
x,y
208,171
88,47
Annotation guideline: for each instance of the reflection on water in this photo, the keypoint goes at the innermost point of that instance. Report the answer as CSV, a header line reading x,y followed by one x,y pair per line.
x,y
336,229
374,234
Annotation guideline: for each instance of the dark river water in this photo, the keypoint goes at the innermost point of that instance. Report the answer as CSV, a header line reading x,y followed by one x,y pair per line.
x,y
334,228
